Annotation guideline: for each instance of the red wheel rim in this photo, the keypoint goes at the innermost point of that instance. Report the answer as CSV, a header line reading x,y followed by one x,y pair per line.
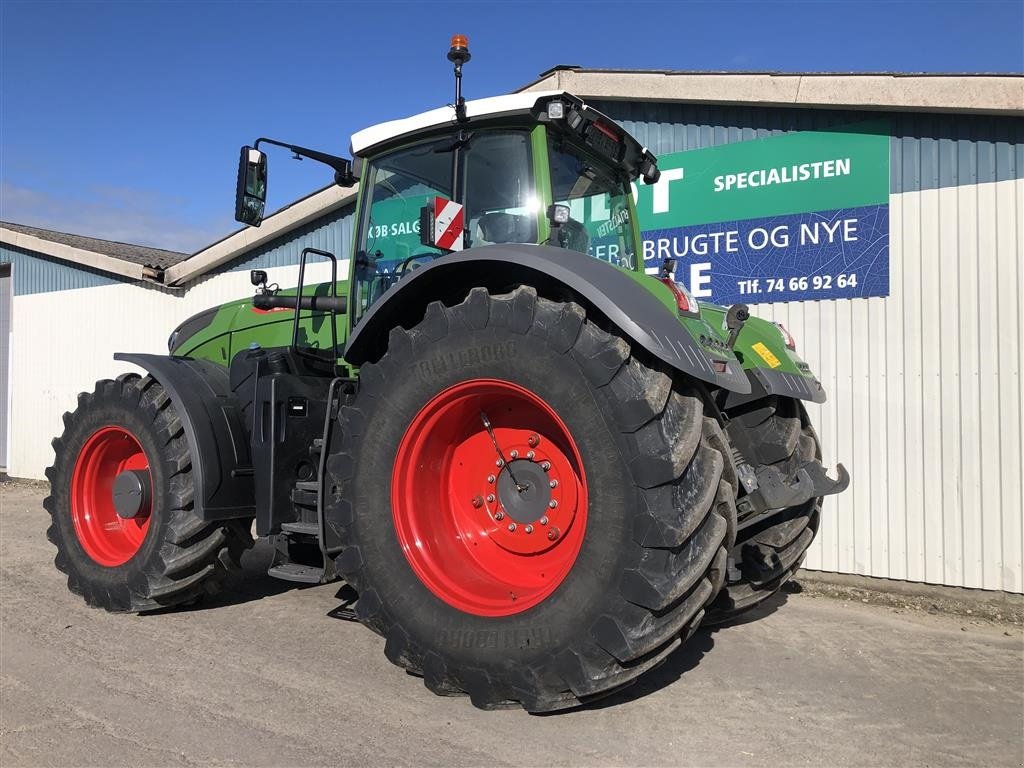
x,y
472,537
108,539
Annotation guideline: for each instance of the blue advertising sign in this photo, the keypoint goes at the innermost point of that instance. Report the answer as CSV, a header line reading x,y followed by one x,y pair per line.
x,y
797,217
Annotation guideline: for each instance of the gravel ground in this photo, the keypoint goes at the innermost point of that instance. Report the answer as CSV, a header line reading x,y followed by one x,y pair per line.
x,y
262,675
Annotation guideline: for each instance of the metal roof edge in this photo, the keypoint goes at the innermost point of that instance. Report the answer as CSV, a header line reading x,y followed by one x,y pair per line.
x,y
996,94
281,222
80,256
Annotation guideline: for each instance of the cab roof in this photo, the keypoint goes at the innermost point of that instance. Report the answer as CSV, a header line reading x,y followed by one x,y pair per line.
x,y
364,142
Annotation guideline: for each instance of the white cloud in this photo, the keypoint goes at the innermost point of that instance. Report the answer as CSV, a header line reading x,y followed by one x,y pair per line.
x,y
136,216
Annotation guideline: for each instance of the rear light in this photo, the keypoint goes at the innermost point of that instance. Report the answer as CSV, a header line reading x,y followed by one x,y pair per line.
x,y
606,131
787,337
684,301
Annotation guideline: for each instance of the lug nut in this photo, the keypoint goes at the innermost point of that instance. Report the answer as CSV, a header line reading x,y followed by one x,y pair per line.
x,y
546,465
533,440
490,478
511,527
553,534
478,502
499,515
514,454
528,529
530,455
553,484
499,463
490,498
552,503
543,520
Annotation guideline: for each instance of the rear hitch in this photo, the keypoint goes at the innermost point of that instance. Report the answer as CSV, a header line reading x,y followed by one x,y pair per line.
x,y
769,490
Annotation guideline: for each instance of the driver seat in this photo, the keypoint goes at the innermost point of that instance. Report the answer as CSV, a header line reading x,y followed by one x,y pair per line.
x,y
506,228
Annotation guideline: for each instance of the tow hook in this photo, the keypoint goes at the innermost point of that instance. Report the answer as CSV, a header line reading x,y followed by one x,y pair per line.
x,y
770,490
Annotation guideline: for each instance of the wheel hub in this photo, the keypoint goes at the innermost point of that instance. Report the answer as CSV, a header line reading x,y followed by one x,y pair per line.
x,y
528,501
131,493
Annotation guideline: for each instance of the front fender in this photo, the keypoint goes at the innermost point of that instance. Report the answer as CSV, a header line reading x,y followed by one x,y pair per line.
x,y
773,368
218,442
556,274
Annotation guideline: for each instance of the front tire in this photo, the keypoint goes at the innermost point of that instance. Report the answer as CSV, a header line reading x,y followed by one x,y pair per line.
x,y
474,602
164,554
776,432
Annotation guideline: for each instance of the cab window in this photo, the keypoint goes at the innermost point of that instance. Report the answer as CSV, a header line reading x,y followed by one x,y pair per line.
x,y
399,185
501,202
600,219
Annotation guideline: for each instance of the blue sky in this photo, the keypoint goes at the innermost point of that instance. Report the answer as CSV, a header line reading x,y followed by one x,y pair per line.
x,y
123,120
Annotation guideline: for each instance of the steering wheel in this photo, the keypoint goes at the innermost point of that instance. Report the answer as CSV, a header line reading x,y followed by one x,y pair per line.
x,y
405,265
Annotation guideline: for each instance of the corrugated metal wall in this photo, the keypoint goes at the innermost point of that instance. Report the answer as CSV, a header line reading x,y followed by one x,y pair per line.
x,y
332,233
925,404
926,151
35,274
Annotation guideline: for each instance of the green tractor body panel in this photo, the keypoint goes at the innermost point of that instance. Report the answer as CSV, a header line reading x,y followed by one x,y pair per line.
x,y
220,333
760,346
762,350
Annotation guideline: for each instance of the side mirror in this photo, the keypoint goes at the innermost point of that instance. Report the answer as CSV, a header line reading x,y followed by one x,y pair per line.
x,y
251,192
648,168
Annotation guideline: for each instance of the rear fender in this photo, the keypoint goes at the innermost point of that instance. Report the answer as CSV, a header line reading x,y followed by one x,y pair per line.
x,y
217,440
557,274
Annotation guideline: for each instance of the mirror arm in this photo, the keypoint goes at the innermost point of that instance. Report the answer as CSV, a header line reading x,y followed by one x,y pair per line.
x,y
343,175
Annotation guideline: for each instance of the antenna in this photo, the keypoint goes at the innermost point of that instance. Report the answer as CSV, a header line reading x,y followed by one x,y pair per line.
x,y
458,54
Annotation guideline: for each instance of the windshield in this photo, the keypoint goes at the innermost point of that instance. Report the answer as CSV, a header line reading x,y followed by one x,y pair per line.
x,y
495,185
600,222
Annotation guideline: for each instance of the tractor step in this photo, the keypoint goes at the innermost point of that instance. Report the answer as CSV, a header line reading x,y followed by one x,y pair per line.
x,y
308,528
306,574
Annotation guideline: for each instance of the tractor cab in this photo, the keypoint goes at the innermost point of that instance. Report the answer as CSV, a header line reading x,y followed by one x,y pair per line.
x,y
527,168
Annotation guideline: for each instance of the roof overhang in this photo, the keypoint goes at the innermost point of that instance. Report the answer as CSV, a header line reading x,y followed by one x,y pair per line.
x,y
79,256
295,215
996,94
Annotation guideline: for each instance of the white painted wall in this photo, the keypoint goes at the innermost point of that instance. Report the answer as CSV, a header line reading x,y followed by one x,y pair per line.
x,y
65,341
924,396
924,408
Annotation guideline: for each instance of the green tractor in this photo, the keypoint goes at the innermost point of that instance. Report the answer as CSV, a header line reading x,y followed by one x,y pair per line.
x,y
540,467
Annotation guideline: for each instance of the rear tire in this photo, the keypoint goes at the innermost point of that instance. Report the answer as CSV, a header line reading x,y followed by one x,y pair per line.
x,y
774,431
648,540
165,556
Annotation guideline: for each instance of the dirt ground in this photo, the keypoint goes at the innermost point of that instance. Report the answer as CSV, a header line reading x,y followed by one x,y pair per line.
x,y
263,675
